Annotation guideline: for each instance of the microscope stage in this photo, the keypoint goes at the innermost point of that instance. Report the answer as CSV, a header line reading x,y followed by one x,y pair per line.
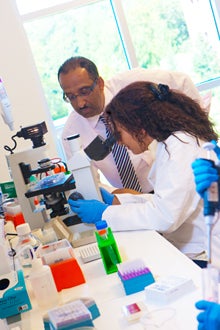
x,y
53,183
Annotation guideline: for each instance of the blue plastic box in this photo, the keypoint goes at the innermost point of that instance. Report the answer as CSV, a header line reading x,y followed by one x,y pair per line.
x,y
136,283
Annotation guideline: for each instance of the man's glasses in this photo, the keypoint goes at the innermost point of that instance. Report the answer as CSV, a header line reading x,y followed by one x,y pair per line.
x,y
84,91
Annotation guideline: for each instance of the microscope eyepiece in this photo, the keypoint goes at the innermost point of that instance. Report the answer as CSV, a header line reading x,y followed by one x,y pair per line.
x,y
99,148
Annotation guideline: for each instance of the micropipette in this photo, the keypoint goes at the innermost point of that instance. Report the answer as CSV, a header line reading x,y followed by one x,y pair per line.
x,y
5,107
211,200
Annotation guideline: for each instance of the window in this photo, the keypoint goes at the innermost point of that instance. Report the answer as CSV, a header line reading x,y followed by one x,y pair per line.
x,y
177,35
79,31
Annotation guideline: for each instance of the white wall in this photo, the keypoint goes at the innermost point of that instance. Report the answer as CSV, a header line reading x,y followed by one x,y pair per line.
x,y
22,82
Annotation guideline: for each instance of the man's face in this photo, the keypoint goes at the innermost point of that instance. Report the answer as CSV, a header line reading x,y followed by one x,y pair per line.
x,y
85,95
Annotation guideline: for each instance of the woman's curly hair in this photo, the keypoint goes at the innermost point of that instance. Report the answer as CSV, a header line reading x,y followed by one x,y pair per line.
x,y
160,111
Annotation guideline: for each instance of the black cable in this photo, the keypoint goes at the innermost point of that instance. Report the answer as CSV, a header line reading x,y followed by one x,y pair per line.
x,y
7,148
65,165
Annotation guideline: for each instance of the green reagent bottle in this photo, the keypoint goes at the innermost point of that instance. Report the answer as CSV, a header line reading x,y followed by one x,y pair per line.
x,y
107,247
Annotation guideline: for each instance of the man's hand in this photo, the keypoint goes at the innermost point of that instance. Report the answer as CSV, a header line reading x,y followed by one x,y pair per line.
x,y
107,196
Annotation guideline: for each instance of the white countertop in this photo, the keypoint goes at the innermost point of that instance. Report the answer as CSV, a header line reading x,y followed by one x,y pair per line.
x,y
159,256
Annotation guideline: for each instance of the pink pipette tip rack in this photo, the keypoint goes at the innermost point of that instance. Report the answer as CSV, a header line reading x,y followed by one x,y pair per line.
x,y
135,276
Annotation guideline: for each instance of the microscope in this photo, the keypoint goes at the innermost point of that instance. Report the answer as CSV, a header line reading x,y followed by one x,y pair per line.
x,y
52,187
31,156
46,181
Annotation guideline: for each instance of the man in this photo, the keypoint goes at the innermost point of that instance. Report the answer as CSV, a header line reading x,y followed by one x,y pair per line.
x,y
89,94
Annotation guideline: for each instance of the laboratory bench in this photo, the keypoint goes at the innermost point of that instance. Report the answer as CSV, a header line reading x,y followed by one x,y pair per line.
x,y
163,260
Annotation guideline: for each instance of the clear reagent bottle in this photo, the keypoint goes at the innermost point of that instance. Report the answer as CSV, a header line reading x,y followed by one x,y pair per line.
x,y
26,239
43,285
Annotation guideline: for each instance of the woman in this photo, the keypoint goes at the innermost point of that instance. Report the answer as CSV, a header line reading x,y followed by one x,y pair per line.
x,y
145,116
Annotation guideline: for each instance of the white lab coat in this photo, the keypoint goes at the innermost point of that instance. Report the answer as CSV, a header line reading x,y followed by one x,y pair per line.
x,y
91,127
175,209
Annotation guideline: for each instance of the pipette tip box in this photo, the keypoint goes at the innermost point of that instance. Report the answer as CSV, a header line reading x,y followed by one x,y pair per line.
x,y
63,264
92,307
135,276
88,302
70,316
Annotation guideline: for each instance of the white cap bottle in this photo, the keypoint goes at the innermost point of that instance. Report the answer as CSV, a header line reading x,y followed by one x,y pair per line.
x,y
26,239
43,284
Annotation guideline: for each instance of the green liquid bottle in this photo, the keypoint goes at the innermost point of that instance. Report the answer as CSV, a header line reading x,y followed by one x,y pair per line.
x,y
107,247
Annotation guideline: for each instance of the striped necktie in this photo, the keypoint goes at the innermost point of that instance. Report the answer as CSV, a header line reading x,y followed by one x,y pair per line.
x,y
123,163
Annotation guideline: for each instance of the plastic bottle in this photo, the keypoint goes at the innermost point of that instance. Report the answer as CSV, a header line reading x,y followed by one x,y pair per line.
x,y
6,107
107,247
49,234
26,239
43,285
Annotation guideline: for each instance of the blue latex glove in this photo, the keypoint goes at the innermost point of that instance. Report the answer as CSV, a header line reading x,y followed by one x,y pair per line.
x,y
204,175
89,211
209,318
107,196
